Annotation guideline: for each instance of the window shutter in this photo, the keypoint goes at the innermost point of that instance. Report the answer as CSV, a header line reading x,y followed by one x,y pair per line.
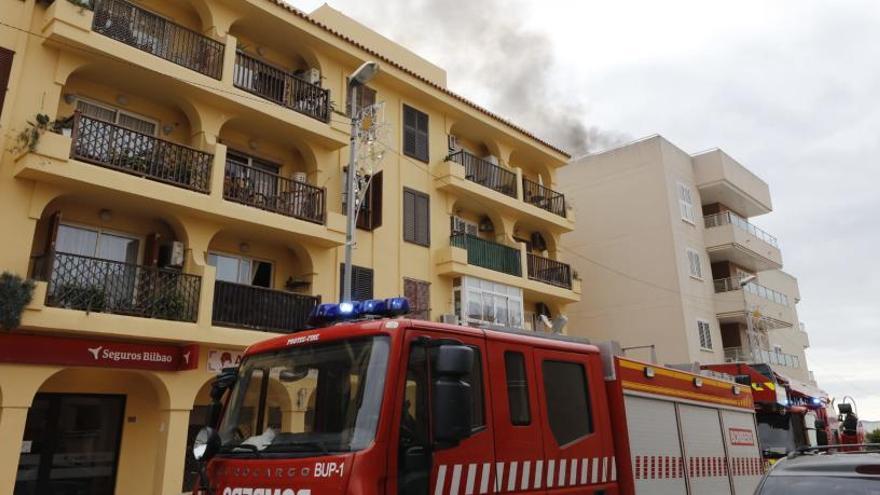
x,y
366,96
416,217
52,237
151,250
361,282
5,70
418,292
375,201
415,133
409,215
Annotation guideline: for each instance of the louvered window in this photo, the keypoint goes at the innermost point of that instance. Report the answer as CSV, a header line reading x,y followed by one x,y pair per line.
x,y
5,69
415,133
366,97
361,282
418,292
416,217
370,215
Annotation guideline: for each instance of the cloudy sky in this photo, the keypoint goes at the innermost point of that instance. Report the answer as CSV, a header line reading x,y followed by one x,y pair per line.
x,y
791,88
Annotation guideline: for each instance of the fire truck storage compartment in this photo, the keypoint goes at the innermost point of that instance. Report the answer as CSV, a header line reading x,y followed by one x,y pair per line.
x,y
720,448
654,446
704,447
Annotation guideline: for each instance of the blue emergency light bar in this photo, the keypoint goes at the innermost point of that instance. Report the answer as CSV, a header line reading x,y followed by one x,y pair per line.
x,y
329,313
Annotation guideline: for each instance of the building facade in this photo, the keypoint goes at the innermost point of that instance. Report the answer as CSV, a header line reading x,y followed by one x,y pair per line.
x,y
665,244
172,178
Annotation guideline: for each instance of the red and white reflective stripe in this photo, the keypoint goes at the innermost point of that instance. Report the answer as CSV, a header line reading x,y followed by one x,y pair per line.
x,y
513,476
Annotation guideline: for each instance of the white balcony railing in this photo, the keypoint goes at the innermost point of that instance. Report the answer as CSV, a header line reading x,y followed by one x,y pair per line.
x,y
733,283
743,355
729,217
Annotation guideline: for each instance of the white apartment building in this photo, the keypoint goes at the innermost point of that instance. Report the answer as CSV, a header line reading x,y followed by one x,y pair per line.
x,y
674,265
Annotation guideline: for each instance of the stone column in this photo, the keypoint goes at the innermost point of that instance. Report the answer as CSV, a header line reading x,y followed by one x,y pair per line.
x,y
171,451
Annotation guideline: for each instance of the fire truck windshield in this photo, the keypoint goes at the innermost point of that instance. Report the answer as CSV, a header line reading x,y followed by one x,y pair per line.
x,y
307,400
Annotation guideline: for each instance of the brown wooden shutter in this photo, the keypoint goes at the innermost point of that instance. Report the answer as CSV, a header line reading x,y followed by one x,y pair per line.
x,y
409,130
52,237
366,96
409,215
5,70
376,201
361,282
418,292
422,136
416,217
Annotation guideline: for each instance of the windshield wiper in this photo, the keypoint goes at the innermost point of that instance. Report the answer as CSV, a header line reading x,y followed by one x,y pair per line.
x,y
304,445
245,448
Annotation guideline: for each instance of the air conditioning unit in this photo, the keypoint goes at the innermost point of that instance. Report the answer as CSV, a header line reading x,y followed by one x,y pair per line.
x,y
449,318
311,75
492,159
453,143
176,258
301,177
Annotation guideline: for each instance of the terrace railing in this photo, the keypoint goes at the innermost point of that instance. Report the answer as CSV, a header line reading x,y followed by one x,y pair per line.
x,y
549,271
269,191
144,30
259,308
488,254
113,146
281,87
486,173
543,197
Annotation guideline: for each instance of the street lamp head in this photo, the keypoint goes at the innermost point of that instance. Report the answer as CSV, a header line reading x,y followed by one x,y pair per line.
x,y
364,74
744,281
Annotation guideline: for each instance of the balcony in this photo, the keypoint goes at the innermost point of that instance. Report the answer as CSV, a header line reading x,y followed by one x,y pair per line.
x,y
549,271
721,179
146,31
280,87
104,286
730,237
486,173
488,254
743,355
112,146
259,308
269,191
544,197
735,302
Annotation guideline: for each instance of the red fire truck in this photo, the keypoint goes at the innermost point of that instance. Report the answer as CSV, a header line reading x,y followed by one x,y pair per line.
x,y
395,406
790,414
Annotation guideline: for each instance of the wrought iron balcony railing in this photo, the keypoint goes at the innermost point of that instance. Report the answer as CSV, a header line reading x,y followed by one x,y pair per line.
x,y
266,190
105,286
733,283
486,173
154,34
488,254
543,197
113,146
549,271
279,86
729,217
259,308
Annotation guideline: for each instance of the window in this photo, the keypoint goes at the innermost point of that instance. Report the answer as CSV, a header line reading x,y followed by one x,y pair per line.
x,y
370,215
483,302
366,97
686,203
568,407
517,388
695,266
5,70
361,282
705,332
96,243
418,292
241,270
416,217
122,118
415,133
461,226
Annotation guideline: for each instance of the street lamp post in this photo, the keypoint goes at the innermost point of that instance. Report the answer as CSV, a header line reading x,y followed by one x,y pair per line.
x,y
360,77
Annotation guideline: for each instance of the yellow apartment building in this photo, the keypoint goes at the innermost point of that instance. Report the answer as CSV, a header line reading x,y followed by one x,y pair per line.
x,y
177,196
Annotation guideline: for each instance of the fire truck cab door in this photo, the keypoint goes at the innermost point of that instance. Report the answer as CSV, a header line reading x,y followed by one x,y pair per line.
x,y
578,448
422,467
519,448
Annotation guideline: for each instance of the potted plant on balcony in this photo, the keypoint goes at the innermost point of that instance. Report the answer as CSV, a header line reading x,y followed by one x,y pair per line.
x,y
15,294
73,295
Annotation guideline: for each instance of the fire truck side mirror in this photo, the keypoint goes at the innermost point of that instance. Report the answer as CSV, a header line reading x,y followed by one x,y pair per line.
x,y
452,395
224,381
